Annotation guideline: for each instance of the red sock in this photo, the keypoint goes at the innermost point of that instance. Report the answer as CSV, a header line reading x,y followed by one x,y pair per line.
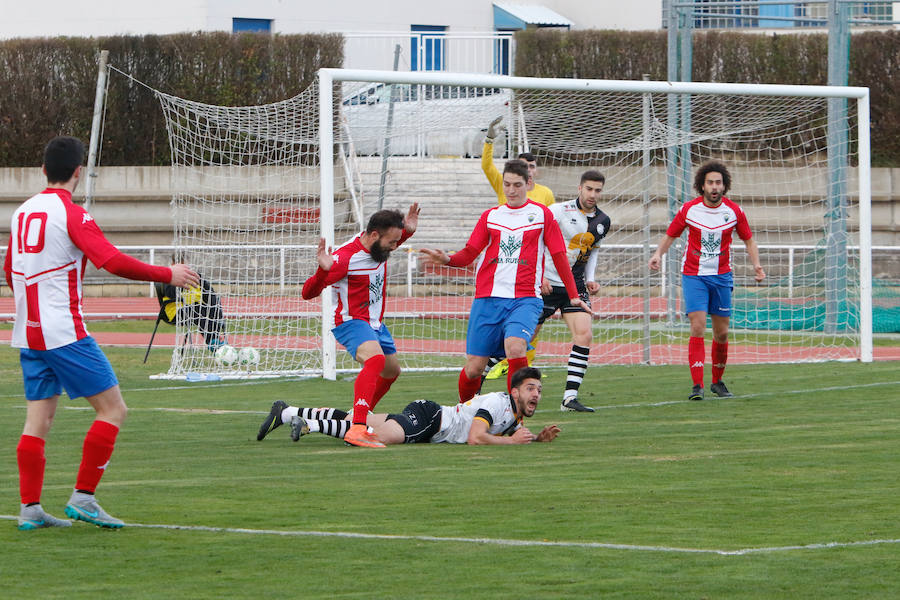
x,y
364,388
382,386
696,353
468,387
30,456
98,447
514,365
719,358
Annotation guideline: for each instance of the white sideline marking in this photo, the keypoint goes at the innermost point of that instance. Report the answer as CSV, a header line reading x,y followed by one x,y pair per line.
x,y
506,542
545,410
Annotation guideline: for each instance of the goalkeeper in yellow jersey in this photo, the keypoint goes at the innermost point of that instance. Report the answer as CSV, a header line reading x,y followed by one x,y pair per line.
x,y
538,193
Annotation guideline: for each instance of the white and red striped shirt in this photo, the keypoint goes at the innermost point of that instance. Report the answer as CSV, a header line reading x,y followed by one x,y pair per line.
x,y
49,244
514,241
708,250
358,283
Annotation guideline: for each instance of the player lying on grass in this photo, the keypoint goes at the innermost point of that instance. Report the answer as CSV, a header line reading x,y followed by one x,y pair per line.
x,y
494,418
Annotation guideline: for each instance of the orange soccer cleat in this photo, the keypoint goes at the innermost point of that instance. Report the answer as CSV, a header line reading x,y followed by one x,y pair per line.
x,y
358,435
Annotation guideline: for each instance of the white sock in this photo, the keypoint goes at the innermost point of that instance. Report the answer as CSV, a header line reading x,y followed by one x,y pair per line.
x,y
289,412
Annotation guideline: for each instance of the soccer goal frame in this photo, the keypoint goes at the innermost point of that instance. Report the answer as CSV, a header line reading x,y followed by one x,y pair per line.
x,y
268,181
329,78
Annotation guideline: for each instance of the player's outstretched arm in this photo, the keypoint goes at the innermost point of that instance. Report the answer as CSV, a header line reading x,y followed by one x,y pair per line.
x,y
184,277
548,433
480,436
435,255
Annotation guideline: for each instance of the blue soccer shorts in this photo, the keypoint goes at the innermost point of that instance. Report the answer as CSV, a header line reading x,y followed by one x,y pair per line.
x,y
708,293
80,368
351,334
492,320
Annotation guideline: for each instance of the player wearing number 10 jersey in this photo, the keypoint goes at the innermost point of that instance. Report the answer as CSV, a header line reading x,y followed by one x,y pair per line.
x,y
50,241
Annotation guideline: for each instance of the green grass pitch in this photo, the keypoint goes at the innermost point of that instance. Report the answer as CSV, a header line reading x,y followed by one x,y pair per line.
x,y
650,497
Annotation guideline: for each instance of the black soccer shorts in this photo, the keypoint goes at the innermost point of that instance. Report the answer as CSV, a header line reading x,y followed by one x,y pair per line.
x,y
420,420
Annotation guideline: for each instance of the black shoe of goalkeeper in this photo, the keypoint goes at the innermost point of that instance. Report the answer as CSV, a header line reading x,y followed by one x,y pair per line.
x,y
696,393
273,420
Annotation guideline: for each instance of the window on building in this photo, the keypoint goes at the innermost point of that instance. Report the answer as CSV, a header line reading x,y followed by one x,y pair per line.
x,y
428,48
773,16
239,25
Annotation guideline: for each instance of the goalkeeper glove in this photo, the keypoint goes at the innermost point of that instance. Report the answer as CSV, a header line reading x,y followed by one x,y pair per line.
x,y
494,129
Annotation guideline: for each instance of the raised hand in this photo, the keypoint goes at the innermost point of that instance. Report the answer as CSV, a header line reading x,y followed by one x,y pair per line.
x,y
323,255
495,129
411,222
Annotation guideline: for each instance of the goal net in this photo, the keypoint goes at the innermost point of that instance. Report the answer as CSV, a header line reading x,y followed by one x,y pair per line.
x,y
259,185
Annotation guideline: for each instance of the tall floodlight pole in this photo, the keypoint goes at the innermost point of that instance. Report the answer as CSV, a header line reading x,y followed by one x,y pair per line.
x,y
386,152
838,150
96,122
680,40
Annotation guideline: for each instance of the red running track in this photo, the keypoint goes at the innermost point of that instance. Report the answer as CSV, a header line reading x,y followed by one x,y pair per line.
x,y
552,352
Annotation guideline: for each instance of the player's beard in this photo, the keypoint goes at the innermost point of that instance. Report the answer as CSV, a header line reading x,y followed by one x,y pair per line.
x,y
378,252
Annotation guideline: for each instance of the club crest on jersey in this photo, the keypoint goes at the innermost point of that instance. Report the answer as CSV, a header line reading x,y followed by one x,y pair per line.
x,y
531,218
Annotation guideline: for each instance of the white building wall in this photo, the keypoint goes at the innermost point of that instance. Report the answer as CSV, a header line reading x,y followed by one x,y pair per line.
x,y
607,14
92,18
354,15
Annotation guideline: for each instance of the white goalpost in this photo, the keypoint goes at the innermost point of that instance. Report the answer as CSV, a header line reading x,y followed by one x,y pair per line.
x,y
257,187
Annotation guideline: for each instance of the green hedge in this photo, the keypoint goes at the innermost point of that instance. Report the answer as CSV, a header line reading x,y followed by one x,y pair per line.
x,y
47,86
728,56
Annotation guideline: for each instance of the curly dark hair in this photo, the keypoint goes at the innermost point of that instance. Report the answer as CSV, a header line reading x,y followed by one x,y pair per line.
x,y
712,166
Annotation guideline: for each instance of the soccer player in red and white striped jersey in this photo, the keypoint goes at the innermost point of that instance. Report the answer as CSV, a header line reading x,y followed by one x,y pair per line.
x,y
515,238
707,279
358,272
50,241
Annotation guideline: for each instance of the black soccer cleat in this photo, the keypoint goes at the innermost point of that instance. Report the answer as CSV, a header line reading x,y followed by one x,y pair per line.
x,y
696,393
273,420
573,405
720,390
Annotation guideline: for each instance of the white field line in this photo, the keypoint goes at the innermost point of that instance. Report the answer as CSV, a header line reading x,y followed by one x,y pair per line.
x,y
609,407
507,542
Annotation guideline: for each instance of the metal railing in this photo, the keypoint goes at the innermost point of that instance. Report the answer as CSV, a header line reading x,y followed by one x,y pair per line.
x,y
412,274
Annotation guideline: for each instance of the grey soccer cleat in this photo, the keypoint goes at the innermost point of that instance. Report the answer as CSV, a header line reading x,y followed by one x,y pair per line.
x,y
33,517
696,393
84,507
720,390
272,421
299,427
573,405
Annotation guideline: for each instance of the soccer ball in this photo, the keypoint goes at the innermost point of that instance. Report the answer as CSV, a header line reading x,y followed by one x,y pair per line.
x,y
226,355
248,357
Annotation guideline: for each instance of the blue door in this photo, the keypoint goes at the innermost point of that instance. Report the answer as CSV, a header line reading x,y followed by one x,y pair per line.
x,y
431,49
